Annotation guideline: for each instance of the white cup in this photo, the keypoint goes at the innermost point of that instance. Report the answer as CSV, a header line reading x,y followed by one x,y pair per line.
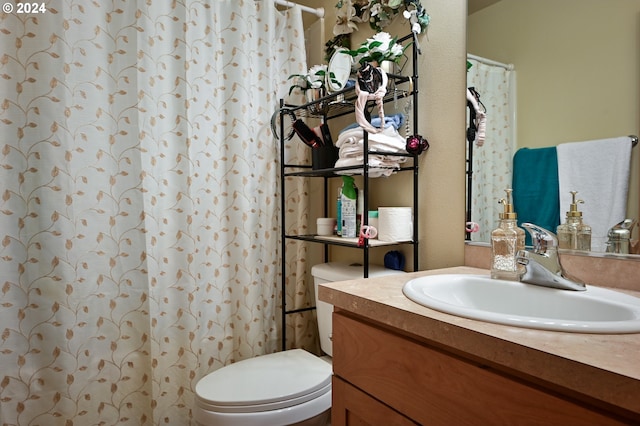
x,y
326,225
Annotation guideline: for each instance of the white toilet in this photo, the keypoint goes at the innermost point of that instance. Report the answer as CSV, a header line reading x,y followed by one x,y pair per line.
x,y
284,388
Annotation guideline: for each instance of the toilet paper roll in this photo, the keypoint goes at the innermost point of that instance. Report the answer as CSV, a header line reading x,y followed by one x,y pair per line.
x,y
395,224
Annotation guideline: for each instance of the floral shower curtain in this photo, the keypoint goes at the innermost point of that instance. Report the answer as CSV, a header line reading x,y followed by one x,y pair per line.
x,y
139,211
492,162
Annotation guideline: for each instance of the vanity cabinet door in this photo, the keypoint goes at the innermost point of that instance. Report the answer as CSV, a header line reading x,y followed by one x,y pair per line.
x,y
352,407
436,388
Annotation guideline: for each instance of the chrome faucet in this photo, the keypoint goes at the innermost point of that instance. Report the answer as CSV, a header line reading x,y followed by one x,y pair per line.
x,y
620,237
542,265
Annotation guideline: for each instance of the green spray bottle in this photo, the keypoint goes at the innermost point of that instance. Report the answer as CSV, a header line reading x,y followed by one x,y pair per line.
x,y
349,206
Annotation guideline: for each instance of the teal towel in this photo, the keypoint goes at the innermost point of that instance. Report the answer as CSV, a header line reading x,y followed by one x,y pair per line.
x,y
536,196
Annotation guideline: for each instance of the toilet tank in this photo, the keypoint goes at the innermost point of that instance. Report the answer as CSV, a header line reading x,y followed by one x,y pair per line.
x,y
332,272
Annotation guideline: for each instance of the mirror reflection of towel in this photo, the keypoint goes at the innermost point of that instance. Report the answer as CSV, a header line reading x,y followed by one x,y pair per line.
x,y
599,171
535,188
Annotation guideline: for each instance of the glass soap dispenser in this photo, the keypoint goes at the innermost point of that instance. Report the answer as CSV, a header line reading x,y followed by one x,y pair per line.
x,y
574,234
506,240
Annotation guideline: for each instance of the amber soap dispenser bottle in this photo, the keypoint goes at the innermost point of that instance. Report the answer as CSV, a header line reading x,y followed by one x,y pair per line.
x,y
506,240
574,234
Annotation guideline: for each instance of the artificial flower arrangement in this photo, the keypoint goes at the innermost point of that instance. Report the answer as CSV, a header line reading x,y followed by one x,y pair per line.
x,y
381,47
315,78
379,14
384,11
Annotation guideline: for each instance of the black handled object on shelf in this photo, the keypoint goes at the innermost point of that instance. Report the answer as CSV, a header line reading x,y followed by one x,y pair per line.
x,y
307,135
326,135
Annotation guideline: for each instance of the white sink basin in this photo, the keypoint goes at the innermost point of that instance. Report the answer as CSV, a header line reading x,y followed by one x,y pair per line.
x,y
596,310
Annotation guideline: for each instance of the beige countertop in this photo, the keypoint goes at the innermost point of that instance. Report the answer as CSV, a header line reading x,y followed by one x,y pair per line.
x,y
599,367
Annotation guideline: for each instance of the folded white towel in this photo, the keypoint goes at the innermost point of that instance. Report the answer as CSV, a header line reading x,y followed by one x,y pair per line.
x,y
374,161
351,143
377,167
355,151
599,171
387,140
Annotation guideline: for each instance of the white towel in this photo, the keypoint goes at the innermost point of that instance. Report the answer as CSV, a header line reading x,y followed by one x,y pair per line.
x,y
378,165
351,151
387,140
599,171
351,145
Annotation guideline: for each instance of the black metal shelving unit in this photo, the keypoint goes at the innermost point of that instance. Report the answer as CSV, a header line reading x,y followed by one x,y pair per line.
x,y
339,104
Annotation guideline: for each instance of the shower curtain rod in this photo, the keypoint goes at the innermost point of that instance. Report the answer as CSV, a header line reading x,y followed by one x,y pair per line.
x,y
319,12
486,61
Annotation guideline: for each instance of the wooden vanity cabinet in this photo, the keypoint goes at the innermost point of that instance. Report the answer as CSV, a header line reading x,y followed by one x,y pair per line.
x,y
384,378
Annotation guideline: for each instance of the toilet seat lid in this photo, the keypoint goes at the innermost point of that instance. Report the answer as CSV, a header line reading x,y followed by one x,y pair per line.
x,y
266,382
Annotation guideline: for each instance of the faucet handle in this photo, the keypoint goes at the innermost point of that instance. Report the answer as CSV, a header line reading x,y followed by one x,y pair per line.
x,y
543,240
626,224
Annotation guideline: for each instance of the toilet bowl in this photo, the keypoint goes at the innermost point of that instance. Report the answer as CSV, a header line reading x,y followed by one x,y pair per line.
x,y
277,389
292,387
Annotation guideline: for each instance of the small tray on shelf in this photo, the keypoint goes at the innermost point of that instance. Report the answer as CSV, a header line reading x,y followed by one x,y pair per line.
x,y
343,241
343,102
302,170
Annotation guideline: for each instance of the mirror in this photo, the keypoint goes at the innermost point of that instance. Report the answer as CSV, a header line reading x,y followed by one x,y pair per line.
x,y
577,64
340,68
